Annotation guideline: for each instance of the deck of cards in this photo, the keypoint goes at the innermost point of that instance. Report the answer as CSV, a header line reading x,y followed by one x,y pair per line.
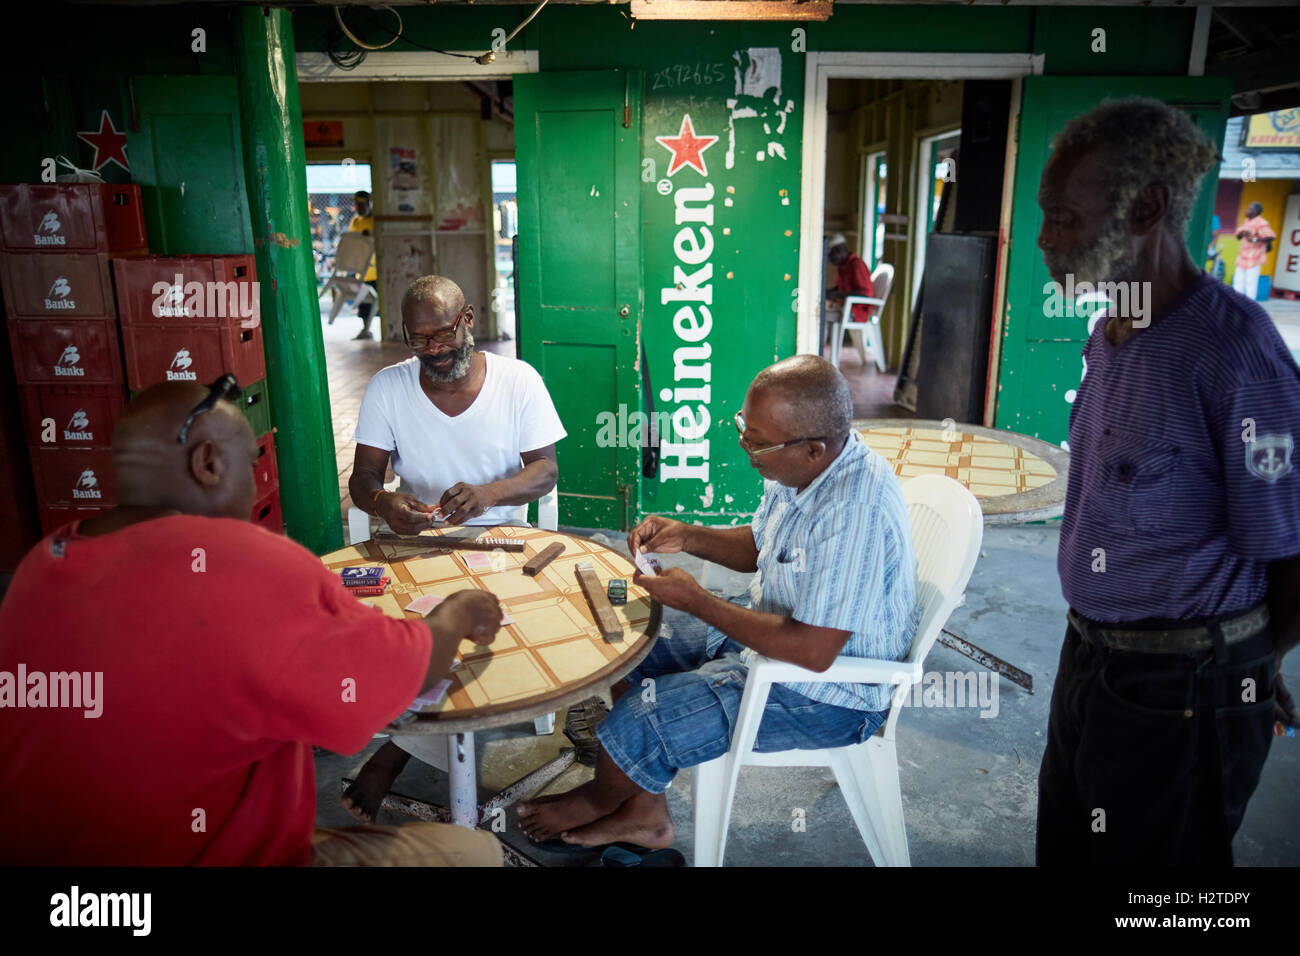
x,y
647,564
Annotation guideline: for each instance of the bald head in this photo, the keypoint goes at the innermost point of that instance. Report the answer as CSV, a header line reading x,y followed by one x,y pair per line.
x,y
808,396
436,293
211,474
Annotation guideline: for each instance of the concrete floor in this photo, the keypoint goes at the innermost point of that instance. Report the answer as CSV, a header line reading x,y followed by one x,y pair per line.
x,y
969,783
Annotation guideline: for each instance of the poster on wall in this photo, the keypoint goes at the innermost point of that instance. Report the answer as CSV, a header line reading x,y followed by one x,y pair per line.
x,y
327,133
404,180
1286,274
1279,129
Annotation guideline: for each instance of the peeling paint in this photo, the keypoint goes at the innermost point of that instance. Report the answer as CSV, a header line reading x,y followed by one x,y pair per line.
x,y
280,239
706,499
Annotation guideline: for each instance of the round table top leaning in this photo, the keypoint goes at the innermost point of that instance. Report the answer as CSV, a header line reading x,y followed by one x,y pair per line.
x,y
1014,477
551,656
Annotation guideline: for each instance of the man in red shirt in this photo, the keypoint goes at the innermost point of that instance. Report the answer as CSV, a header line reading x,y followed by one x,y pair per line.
x,y
165,669
852,277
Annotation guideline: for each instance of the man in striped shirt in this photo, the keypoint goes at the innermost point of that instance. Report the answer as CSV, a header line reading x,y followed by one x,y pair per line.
x,y
835,576
1180,545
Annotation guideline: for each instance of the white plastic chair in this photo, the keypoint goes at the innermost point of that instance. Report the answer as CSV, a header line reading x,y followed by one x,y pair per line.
x,y
947,529
351,263
882,280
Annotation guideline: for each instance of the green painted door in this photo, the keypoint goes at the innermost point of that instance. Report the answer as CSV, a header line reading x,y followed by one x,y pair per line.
x,y
187,158
576,146
1041,367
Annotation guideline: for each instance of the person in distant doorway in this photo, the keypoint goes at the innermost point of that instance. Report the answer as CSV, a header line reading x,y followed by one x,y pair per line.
x,y
1256,237
852,277
364,223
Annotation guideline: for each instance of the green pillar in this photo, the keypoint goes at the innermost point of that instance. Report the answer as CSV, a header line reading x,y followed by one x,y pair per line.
x,y
275,170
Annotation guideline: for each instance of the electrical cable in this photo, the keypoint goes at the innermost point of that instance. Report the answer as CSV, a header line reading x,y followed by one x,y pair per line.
x,y
338,15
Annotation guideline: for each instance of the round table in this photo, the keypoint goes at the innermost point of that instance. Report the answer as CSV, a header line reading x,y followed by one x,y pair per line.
x,y
551,656
1014,477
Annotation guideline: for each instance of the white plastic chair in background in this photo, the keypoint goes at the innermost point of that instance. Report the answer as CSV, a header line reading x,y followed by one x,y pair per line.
x,y
352,260
882,280
947,529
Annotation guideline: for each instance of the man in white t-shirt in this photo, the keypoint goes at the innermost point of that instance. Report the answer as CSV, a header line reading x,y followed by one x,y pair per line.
x,y
471,434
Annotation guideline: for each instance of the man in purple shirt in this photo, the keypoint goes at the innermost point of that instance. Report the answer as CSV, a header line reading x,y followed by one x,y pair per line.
x,y
1180,546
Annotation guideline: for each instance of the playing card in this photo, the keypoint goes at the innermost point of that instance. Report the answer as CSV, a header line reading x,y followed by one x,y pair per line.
x,y
475,560
647,564
425,604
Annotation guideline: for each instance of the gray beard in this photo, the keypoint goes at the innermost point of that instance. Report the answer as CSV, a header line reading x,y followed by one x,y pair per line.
x,y
1106,260
458,369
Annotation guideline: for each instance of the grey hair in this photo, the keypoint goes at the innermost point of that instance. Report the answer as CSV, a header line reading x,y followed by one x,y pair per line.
x,y
438,291
821,405
1146,142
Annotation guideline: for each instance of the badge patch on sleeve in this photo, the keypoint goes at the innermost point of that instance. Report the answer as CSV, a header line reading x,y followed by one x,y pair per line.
x,y
1269,456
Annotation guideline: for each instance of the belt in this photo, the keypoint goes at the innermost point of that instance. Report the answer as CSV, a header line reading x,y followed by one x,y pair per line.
x,y
1183,640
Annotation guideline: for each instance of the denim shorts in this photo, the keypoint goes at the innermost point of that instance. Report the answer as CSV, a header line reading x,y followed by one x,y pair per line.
x,y
684,702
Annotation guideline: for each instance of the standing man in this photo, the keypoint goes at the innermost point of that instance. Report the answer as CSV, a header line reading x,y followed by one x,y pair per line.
x,y
1180,546
471,434
1256,237
364,223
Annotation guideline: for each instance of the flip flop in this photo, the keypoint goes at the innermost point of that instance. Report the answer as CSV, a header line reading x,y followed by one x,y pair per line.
x,y
559,847
622,855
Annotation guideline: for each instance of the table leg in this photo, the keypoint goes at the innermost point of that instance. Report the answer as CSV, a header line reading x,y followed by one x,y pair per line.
x,y
463,779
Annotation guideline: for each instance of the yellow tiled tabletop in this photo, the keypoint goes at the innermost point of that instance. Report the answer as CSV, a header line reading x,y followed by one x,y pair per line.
x,y
552,654
986,466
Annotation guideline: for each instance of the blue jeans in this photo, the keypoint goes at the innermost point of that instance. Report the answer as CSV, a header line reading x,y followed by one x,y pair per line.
x,y
686,716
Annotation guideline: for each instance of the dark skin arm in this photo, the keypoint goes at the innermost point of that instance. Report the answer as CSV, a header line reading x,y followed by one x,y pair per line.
x,y
405,514
732,548
781,638
462,501
472,614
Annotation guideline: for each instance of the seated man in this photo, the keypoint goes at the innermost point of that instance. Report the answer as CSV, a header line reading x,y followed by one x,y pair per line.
x,y
852,277
177,663
472,431
836,575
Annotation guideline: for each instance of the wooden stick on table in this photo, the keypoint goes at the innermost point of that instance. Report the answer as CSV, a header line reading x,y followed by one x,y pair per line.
x,y
449,541
543,558
606,619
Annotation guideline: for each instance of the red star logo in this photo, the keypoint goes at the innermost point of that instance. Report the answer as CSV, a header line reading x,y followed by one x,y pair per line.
x,y
687,148
110,145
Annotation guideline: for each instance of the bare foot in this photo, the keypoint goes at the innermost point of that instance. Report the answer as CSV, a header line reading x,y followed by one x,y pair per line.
x,y
363,798
547,817
642,820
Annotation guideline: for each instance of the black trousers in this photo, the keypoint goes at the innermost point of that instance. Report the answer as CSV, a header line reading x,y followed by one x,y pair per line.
x,y
1151,758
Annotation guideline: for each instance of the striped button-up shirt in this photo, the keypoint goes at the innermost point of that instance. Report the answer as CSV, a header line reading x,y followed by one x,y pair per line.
x,y
839,554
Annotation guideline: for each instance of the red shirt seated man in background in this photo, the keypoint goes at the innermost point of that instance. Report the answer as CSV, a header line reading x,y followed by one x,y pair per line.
x,y
177,663
852,278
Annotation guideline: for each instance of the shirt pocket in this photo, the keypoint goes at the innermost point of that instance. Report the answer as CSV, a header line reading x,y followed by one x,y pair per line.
x,y
1138,480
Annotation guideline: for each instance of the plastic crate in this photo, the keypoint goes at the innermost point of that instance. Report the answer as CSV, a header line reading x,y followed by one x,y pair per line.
x,y
264,469
82,416
266,513
72,217
74,477
52,519
66,352
191,353
257,407
156,290
74,285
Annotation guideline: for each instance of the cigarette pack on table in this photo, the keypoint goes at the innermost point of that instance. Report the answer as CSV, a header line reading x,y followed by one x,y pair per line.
x,y
370,590
362,577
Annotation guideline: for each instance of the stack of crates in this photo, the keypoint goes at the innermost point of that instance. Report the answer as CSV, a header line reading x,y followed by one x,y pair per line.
x,y
57,243
194,318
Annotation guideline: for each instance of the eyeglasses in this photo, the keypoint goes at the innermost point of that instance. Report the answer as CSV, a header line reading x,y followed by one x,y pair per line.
x,y
740,428
226,387
419,343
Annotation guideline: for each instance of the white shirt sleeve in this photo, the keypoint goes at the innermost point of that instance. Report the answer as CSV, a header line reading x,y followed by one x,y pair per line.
x,y
539,422
373,425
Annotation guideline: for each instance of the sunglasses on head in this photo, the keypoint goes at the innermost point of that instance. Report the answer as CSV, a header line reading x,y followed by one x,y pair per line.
x,y
226,387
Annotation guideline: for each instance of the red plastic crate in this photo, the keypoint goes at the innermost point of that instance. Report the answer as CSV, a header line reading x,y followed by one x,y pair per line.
x,y
73,285
72,217
264,470
266,513
66,352
54,518
74,477
154,290
194,353
82,415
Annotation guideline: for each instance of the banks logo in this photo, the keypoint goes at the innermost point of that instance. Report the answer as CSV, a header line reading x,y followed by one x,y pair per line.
x,y
60,291
219,300
67,363
171,302
181,362
76,427
87,485
48,231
